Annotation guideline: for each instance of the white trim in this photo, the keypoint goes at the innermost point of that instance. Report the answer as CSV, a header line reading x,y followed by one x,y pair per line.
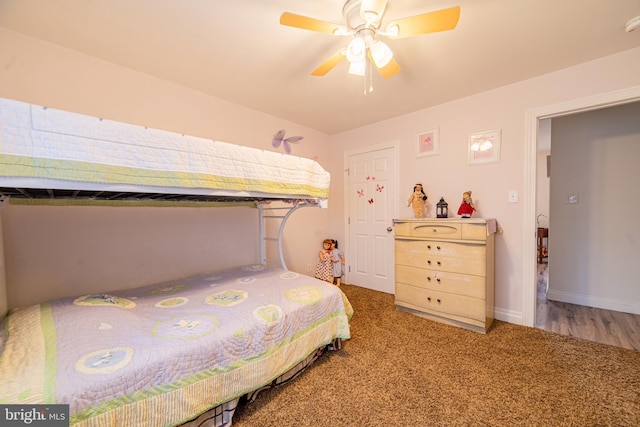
x,y
593,301
508,316
624,96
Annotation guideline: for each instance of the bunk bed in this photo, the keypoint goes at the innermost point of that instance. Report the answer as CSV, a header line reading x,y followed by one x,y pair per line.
x,y
180,352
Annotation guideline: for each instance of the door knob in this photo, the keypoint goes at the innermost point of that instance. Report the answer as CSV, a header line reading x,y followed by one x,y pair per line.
x,y
389,229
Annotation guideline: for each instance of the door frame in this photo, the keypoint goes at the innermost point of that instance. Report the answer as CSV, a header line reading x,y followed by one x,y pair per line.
x,y
595,102
395,145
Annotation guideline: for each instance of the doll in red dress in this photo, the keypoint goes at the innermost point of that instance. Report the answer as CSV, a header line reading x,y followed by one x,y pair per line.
x,y
466,207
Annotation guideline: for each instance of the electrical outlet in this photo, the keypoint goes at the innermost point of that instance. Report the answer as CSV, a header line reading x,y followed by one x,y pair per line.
x,y
513,196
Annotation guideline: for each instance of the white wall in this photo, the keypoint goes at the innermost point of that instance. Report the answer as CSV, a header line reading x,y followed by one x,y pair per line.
x,y
448,174
595,246
35,239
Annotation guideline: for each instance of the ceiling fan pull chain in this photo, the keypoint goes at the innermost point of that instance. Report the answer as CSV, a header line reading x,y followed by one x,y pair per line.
x,y
370,76
364,83
364,79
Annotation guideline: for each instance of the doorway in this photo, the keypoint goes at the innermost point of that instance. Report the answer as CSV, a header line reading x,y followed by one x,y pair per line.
x,y
533,119
371,200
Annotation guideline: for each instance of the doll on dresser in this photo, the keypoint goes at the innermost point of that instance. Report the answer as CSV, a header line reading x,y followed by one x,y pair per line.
x,y
418,201
466,207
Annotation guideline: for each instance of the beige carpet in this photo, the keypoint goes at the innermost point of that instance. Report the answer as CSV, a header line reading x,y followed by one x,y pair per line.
x,y
402,370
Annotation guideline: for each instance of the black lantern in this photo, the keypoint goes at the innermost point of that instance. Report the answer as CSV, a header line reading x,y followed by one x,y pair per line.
x,y
442,209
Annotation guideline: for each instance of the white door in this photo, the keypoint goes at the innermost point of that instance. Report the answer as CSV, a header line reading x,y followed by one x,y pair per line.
x,y
371,207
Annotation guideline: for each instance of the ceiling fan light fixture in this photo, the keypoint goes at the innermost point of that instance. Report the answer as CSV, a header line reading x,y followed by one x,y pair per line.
x,y
633,24
392,31
358,68
341,31
356,50
381,53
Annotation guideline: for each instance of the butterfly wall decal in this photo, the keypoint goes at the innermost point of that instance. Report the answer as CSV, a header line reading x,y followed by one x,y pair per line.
x,y
279,138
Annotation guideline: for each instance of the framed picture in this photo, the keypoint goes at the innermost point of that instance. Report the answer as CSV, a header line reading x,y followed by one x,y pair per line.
x,y
484,147
428,143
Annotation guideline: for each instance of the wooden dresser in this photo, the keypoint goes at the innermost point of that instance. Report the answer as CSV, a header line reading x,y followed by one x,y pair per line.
x,y
445,270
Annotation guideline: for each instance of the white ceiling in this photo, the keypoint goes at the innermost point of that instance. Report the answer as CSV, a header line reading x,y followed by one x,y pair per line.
x,y
237,50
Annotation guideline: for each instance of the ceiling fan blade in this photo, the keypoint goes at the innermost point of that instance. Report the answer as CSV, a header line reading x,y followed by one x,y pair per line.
x,y
330,63
390,69
431,22
306,23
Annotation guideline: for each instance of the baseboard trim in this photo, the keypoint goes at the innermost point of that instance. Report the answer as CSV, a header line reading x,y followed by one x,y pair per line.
x,y
509,316
632,307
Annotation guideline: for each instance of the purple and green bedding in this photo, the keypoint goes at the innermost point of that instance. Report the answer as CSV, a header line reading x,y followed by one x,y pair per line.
x,y
165,353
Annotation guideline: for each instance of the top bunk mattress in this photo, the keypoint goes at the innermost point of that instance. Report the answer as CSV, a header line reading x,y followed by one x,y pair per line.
x,y
49,149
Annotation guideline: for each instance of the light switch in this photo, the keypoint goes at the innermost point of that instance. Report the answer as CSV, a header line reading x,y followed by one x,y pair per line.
x,y
572,198
513,196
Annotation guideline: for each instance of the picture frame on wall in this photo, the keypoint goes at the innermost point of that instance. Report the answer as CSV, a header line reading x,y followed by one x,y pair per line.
x,y
484,147
428,143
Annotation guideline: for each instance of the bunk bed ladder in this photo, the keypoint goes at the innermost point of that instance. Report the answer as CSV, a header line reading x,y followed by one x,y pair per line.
x,y
282,214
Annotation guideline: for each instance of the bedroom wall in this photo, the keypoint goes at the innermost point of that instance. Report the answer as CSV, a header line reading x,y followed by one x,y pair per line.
x,y
448,174
59,250
42,73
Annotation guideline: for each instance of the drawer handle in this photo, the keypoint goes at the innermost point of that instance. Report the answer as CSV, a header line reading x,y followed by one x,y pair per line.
x,y
429,299
438,279
429,247
429,261
435,230
439,300
438,247
428,278
439,263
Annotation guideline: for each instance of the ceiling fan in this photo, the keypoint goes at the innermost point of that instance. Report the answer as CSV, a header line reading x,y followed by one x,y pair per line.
x,y
363,20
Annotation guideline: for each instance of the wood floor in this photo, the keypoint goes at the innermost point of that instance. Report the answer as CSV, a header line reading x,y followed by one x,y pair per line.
x,y
594,324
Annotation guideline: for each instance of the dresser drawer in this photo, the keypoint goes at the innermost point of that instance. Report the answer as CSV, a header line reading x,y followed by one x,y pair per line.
x,y
440,302
429,229
474,231
457,257
453,283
